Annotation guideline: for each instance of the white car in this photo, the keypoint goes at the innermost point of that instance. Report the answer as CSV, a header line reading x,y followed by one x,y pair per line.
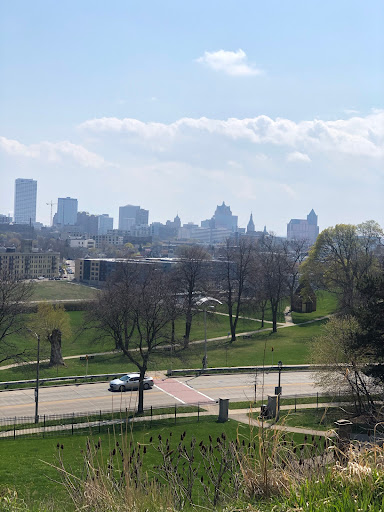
x,y
130,381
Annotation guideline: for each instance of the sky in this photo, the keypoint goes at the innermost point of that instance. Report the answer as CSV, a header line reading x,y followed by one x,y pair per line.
x,y
273,107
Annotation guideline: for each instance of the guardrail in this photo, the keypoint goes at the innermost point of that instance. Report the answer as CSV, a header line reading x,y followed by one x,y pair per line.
x,y
170,373
73,378
241,369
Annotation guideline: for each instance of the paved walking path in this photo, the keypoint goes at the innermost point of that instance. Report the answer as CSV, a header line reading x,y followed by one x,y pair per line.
x,y
288,316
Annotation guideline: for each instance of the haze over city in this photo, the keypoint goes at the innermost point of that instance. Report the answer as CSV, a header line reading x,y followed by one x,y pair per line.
x,y
275,108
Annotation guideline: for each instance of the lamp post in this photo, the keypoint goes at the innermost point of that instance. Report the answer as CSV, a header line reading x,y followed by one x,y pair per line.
x,y
278,388
37,376
205,303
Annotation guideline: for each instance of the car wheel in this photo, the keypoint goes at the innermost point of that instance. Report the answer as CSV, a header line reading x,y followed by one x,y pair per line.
x,y
146,385
122,388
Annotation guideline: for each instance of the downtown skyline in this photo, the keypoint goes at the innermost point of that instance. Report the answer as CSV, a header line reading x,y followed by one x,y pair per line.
x,y
275,109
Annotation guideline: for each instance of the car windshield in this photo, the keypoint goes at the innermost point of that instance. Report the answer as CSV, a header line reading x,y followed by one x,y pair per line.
x,y
124,378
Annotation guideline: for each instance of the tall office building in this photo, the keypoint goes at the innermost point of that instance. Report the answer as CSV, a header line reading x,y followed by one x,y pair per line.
x,y
66,211
104,224
25,201
303,229
131,215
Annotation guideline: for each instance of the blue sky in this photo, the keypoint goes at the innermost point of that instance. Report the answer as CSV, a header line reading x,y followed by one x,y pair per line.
x,y
274,107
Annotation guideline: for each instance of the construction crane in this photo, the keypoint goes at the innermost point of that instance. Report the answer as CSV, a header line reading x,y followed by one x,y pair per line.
x,y
51,204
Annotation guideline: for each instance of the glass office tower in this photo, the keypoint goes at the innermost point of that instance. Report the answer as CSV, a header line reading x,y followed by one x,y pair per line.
x,y
25,201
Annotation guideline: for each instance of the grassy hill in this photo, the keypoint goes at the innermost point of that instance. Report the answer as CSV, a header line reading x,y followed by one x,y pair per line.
x,y
62,290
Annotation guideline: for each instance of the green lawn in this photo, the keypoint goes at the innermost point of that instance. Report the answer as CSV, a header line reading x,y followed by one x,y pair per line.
x,y
322,418
326,305
24,461
85,339
62,290
291,345
251,312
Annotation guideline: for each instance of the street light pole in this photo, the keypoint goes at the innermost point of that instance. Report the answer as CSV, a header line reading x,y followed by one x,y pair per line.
x,y
37,336
204,302
205,340
278,388
37,380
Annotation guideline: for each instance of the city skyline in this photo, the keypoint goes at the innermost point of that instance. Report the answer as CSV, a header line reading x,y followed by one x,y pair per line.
x,y
273,108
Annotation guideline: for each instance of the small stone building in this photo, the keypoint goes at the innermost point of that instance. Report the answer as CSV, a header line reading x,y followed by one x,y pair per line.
x,y
304,299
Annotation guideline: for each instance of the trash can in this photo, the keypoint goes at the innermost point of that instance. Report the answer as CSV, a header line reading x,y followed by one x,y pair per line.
x,y
223,410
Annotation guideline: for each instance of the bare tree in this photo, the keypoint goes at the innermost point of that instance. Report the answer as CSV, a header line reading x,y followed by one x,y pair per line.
x,y
256,289
14,296
190,275
295,252
235,273
273,264
135,310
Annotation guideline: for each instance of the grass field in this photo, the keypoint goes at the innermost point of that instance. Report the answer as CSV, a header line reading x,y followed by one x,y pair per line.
x,y
326,305
322,418
24,461
85,339
291,345
62,290
35,480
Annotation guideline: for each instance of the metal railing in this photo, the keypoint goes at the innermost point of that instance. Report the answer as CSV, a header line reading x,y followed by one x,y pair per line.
x,y
94,421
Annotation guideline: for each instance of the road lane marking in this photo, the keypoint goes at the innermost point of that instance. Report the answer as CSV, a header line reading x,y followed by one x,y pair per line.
x,y
170,394
91,398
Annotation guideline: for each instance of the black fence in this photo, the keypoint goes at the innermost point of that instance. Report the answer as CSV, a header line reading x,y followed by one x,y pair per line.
x,y
95,421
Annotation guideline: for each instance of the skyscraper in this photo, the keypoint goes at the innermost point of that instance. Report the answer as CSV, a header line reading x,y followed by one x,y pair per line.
x,y
66,211
25,201
104,224
303,229
131,215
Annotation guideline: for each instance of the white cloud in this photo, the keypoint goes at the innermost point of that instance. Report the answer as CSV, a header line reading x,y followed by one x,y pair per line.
x,y
53,152
287,189
296,156
350,111
231,63
356,136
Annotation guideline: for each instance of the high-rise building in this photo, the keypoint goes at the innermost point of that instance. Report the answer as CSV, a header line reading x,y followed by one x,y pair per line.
x,y
131,215
88,224
66,211
25,201
104,224
303,229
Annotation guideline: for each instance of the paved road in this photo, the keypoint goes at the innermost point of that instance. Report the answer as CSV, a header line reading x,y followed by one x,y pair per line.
x,y
93,397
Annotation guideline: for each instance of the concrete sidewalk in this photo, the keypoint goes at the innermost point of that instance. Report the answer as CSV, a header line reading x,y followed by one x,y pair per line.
x,y
239,415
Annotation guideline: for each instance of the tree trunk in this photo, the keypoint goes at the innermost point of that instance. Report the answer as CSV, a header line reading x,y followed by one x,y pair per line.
x,y
173,331
233,333
55,341
188,325
140,405
274,308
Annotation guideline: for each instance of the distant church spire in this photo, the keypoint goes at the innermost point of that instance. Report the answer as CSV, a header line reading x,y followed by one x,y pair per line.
x,y
251,225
